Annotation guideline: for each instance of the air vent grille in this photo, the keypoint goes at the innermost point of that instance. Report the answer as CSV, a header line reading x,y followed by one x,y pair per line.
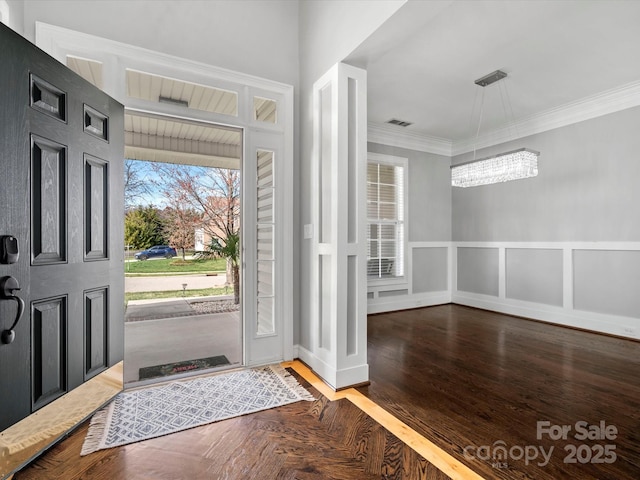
x,y
173,101
400,123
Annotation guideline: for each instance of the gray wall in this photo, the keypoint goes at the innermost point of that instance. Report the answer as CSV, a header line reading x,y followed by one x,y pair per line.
x,y
586,189
225,34
429,209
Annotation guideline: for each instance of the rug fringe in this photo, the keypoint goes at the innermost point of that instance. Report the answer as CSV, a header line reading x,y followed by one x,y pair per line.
x,y
96,431
291,383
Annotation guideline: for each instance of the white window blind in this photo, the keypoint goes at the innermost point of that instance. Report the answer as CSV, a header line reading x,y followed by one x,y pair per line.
x,y
385,219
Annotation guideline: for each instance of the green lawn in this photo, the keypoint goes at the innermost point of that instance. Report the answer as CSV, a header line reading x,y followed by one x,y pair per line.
x,y
174,266
203,292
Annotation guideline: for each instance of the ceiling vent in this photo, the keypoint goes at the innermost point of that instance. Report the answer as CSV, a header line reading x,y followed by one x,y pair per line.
x,y
173,101
400,123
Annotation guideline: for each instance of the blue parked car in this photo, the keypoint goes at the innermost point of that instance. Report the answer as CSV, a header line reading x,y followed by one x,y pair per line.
x,y
157,251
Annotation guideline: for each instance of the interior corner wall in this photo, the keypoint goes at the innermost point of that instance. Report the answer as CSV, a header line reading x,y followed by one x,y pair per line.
x,y
565,245
328,32
428,224
429,206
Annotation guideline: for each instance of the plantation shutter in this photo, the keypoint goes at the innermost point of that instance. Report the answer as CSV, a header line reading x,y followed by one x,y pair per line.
x,y
265,247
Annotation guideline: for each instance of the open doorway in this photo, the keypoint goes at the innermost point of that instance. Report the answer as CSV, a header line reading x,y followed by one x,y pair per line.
x,y
182,232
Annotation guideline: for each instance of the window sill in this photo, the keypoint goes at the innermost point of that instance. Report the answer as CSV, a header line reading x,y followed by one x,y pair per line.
x,y
387,282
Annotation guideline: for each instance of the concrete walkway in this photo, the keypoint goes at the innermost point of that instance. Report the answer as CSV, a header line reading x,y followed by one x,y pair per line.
x,y
169,330
162,331
157,342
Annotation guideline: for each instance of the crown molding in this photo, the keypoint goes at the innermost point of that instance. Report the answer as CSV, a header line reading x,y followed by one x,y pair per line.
x,y
394,137
604,103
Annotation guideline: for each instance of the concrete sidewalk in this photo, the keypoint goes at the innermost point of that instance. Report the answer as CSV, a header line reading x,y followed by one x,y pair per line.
x,y
166,307
173,282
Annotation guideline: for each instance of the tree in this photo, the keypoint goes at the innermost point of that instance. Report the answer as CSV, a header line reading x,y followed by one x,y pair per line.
x,y
136,186
143,227
180,227
231,251
215,193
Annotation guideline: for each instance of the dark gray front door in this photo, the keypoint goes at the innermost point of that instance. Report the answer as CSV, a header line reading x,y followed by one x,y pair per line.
x,y
61,149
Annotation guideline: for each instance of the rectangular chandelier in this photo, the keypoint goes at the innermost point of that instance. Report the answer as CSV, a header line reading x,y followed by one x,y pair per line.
x,y
514,165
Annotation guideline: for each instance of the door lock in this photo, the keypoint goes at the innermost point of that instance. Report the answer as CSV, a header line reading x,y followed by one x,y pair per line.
x,y
9,252
8,285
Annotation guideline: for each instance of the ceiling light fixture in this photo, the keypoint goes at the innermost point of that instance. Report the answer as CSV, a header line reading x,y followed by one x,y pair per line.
x,y
504,167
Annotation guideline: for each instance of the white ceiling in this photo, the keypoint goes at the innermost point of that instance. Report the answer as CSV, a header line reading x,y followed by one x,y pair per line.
x,y
421,65
164,139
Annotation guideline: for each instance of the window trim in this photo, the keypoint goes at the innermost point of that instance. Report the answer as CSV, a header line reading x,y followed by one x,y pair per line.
x,y
403,162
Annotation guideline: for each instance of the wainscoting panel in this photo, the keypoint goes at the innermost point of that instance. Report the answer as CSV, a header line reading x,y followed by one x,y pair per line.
x,y
478,270
427,281
429,269
534,275
588,285
607,281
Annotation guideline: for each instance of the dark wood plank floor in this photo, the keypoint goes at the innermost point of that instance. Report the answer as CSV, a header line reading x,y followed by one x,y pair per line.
x,y
466,377
306,440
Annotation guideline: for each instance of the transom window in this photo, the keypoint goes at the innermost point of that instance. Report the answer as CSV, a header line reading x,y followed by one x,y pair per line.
x,y
386,179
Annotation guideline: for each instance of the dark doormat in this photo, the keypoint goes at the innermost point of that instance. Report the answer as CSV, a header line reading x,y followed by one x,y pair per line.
x,y
181,367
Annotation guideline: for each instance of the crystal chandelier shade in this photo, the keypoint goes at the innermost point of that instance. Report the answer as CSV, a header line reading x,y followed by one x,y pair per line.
x,y
514,165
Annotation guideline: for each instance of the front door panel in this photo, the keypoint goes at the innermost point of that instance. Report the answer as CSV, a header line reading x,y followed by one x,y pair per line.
x,y
61,149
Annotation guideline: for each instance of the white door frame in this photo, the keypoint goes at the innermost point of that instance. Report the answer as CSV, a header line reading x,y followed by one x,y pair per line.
x,y
117,57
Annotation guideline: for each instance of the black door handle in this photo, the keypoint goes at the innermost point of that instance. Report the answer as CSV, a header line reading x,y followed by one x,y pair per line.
x,y
8,285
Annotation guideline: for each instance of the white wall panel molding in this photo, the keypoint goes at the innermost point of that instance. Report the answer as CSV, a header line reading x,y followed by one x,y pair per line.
x,y
406,302
337,348
567,314
385,298
403,295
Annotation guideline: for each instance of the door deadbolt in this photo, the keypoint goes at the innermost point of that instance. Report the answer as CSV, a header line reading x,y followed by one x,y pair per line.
x,y
9,251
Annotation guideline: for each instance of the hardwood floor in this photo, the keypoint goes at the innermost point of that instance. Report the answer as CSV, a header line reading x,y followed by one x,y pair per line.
x,y
467,380
306,440
466,377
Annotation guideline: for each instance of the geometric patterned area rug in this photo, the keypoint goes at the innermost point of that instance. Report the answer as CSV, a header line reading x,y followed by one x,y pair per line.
x,y
181,367
154,411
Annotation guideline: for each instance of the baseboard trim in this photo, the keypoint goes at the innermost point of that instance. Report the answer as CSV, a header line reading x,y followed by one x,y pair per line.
x,y
407,302
334,378
589,321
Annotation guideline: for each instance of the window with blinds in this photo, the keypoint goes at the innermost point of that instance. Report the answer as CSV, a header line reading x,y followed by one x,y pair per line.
x,y
385,218
265,254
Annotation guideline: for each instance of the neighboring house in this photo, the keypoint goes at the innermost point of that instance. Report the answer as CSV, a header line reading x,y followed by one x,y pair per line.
x,y
226,213
202,239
